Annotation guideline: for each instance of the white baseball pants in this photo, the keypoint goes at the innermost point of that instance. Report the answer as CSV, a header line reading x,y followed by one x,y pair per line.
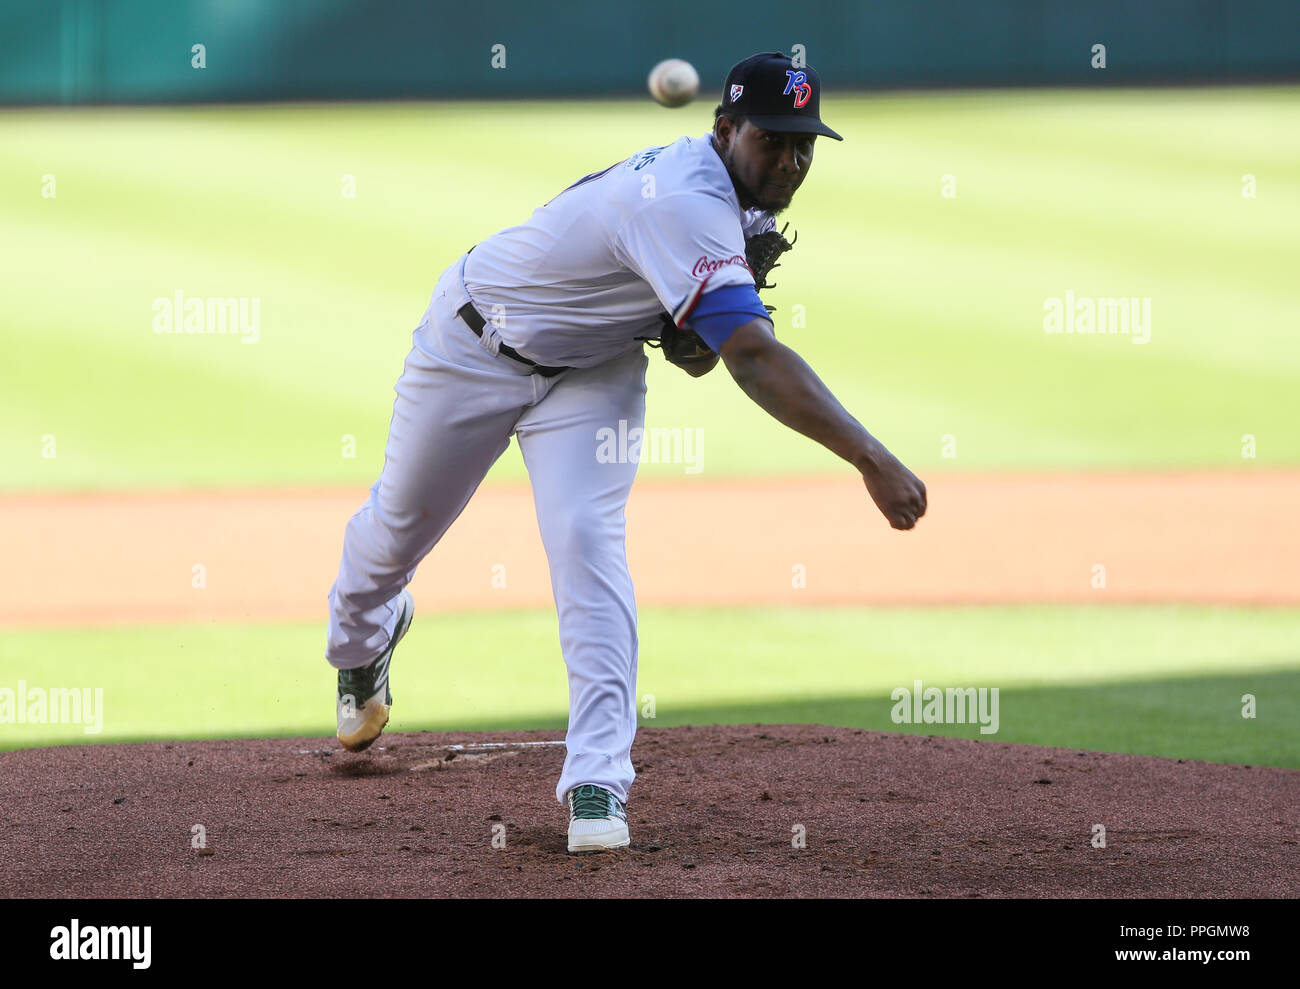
x,y
458,403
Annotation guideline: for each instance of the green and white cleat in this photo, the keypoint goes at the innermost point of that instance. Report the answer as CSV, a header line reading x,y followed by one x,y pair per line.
x,y
597,820
364,699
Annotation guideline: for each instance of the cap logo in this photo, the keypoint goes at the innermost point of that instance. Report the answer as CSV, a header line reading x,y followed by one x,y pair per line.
x,y
797,82
735,92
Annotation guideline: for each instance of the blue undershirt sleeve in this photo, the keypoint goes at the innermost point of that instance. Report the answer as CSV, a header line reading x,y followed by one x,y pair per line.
x,y
718,313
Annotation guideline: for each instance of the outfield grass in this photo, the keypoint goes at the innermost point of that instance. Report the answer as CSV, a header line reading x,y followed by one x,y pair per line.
x,y
924,313
1156,680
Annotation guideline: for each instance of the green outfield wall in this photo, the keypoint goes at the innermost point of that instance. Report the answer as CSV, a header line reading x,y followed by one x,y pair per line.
x,y
125,51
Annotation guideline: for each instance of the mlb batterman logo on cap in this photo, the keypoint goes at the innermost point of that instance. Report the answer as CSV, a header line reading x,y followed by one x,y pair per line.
x,y
774,94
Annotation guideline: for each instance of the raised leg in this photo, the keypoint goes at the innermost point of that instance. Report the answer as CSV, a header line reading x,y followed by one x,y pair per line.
x,y
455,409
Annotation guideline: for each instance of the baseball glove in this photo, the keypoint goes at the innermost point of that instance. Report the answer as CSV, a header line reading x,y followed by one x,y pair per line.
x,y
762,252
685,348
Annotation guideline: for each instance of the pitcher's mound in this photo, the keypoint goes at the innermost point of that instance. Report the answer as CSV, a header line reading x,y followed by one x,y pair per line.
x,y
792,810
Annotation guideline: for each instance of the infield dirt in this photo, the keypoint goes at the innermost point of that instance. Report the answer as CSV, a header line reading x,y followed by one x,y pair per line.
x,y
1205,537
717,811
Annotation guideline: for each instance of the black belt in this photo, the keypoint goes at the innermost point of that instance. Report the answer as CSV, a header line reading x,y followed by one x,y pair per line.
x,y
475,322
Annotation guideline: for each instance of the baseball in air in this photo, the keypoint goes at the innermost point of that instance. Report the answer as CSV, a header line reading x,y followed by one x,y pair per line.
x,y
673,82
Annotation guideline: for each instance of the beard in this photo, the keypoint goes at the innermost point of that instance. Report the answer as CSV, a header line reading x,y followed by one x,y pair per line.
x,y
774,206
776,209
749,198
746,194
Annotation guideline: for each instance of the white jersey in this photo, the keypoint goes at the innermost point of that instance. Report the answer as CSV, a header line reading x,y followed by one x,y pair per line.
x,y
595,268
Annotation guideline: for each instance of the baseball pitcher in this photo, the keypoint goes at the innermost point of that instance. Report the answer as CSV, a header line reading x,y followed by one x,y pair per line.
x,y
539,332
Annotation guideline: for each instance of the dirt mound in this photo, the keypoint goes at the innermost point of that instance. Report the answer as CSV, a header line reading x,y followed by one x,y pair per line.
x,y
716,811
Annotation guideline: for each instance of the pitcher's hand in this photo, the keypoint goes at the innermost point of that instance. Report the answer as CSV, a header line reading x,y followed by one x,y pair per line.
x,y
897,492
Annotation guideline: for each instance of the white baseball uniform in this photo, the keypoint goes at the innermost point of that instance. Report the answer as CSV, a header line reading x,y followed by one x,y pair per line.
x,y
578,285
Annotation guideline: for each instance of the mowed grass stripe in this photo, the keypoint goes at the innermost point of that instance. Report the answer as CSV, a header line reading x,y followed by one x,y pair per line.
x,y
1091,672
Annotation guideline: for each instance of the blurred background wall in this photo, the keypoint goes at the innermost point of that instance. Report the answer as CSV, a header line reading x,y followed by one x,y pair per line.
x,y
130,51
